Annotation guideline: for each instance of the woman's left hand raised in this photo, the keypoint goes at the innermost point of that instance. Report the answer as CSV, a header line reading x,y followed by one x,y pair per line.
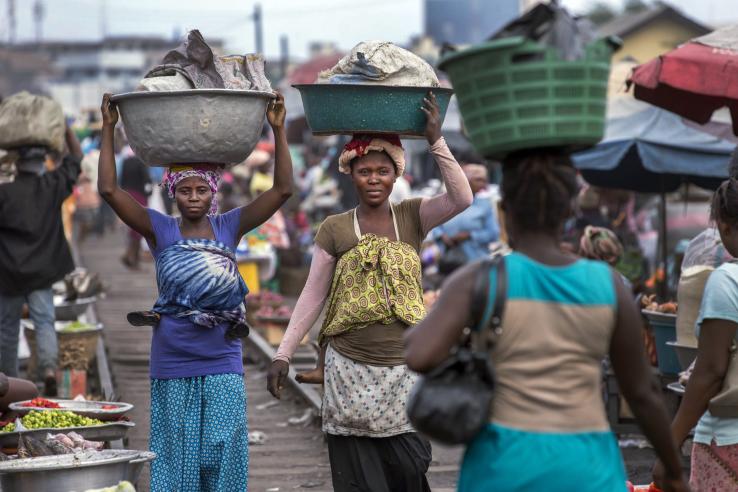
x,y
276,112
433,114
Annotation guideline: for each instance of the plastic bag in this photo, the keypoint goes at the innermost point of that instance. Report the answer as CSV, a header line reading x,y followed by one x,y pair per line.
x,y
81,284
31,120
242,72
552,25
380,62
703,255
706,249
194,62
172,80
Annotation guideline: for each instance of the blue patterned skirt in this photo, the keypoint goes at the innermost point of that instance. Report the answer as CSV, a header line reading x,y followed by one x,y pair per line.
x,y
199,433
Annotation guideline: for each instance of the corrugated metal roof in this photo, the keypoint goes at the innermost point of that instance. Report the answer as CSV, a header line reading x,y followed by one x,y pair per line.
x,y
626,24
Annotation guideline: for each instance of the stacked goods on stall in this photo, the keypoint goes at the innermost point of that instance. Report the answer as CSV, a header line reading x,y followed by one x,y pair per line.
x,y
539,82
662,319
77,350
77,339
269,313
197,107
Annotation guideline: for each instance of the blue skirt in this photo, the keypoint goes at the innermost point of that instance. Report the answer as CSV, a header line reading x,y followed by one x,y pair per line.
x,y
512,460
199,433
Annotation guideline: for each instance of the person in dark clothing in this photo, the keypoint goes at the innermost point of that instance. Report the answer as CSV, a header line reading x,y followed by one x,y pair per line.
x,y
34,253
136,180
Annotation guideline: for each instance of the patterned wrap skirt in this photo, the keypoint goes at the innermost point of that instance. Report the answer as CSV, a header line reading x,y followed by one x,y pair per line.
x,y
714,467
371,444
199,434
364,400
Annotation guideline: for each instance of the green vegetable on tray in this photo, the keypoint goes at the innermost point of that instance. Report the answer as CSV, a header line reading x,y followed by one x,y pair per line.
x,y
8,428
56,419
76,326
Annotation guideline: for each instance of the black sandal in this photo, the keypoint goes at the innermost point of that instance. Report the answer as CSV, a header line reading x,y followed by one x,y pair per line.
x,y
143,318
238,330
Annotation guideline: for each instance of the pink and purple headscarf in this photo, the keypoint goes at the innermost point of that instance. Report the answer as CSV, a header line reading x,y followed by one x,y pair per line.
x,y
210,173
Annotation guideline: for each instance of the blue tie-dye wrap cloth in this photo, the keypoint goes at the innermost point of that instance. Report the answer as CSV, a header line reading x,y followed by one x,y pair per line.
x,y
199,279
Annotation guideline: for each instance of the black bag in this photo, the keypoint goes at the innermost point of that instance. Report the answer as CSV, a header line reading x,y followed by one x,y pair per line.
x,y
452,259
451,404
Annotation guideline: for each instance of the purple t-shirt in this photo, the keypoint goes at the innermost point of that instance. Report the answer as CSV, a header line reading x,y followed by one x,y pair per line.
x,y
179,348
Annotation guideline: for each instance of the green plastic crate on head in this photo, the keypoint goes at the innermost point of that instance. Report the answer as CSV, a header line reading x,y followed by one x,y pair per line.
x,y
517,94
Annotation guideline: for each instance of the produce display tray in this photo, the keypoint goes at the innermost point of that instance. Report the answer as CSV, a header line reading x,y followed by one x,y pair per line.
x,y
79,459
659,317
677,388
105,432
91,409
59,326
71,310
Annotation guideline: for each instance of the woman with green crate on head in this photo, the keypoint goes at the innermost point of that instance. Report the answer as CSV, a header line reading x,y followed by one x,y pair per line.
x,y
547,426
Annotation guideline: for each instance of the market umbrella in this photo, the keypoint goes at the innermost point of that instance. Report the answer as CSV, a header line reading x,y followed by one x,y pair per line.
x,y
649,150
694,79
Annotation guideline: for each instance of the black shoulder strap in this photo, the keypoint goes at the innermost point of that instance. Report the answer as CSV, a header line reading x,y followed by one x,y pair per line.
x,y
500,296
479,293
489,329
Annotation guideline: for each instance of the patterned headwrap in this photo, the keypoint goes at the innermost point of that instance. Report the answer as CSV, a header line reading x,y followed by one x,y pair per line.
x,y
211,173
598,243
361,145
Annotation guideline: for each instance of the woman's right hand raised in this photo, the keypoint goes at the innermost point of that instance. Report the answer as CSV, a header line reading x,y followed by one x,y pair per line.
x,y
276,376
109,111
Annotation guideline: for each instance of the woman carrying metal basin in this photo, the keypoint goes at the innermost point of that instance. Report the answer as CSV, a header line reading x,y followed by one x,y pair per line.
x,y
198,401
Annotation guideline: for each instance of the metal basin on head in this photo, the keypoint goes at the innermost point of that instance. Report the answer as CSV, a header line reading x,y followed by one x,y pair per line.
x,y
193,126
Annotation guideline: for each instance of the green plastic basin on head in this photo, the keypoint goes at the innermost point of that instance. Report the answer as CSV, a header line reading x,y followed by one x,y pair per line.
x,y
361,108
517,94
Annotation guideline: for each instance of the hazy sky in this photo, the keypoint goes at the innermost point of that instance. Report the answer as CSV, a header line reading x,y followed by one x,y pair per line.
x,y
345,21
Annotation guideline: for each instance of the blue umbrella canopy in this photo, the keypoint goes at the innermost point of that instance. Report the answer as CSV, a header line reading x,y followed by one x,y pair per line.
x,y
650,150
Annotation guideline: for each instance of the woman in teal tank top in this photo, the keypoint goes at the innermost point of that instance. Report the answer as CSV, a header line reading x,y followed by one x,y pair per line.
x,y
547,428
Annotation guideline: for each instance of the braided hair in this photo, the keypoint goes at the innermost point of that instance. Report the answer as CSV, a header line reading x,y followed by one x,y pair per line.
x,y
725,203
725,200
538,188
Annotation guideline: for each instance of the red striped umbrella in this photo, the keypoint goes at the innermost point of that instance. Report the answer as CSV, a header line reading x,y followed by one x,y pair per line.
x,y
694,79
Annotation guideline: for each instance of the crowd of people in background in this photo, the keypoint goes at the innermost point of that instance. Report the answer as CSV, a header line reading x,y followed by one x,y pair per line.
x,y
321,191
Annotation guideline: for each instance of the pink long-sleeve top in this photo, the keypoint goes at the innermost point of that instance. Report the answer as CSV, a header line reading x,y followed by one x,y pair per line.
x,y
433,212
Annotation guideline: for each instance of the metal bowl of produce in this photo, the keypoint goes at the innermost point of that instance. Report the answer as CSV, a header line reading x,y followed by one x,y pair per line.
x,y
368,108
71,310
100,410
79,471
193,126
77,343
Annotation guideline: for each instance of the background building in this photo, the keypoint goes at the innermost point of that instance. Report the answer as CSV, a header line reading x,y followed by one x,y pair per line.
x,y
652,32
76,73
467,21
